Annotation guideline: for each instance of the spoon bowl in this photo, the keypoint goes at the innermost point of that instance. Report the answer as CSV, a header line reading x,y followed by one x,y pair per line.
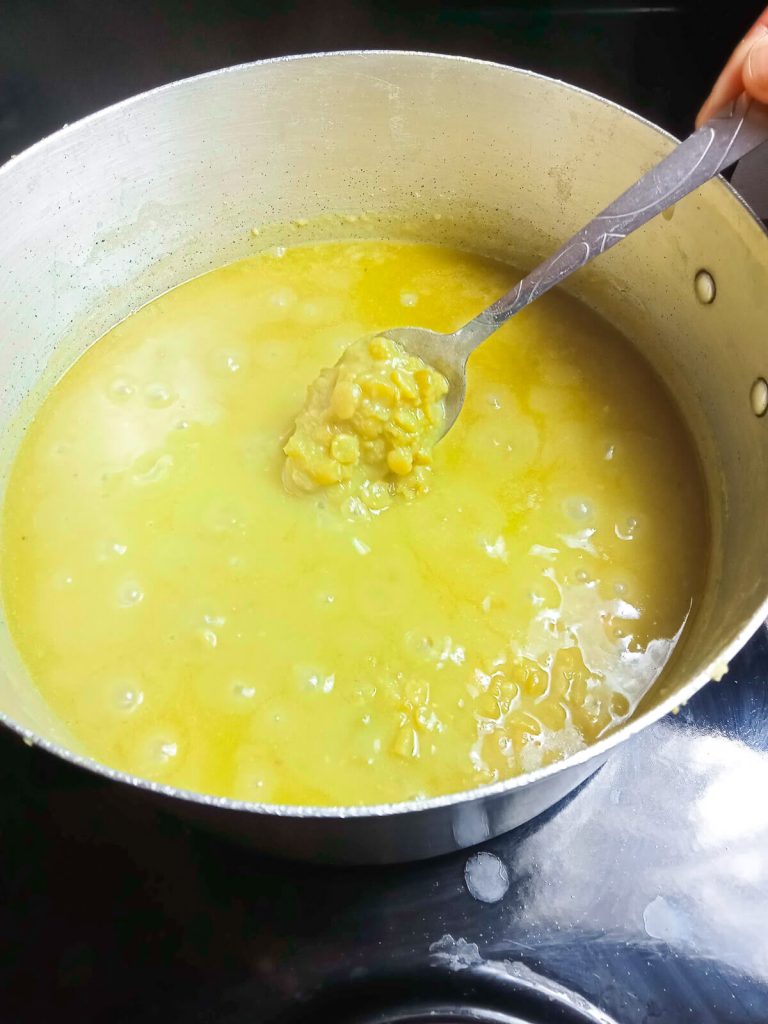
x,y
447,353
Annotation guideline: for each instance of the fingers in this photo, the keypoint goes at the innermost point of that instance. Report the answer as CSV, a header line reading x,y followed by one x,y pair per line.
x,y
736,76
756,69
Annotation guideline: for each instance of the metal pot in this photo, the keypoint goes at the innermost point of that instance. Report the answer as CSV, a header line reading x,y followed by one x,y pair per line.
x,y
107,213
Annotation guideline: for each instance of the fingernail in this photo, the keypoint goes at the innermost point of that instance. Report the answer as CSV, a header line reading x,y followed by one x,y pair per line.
x,y
757,61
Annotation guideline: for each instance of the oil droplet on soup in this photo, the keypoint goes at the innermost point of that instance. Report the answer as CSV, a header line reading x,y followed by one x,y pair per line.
x,y
191,621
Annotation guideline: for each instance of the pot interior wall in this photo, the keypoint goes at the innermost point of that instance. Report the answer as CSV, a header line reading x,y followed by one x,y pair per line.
x,y
106,215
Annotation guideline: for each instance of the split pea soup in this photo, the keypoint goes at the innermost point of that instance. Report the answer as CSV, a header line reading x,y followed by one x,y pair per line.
x,y
193,620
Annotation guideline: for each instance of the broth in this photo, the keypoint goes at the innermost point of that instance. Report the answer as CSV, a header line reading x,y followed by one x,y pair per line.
x,y
193,622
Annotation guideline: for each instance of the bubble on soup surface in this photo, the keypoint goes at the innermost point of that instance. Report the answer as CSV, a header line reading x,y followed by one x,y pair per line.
x,y
156,753
112,549
209,637
127,696
627,529
315,680
283,298
120,389
158,396
130,594
578,509
166,750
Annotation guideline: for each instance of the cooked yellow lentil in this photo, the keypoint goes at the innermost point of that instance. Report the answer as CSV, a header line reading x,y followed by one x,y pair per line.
x,y
192,622
368,427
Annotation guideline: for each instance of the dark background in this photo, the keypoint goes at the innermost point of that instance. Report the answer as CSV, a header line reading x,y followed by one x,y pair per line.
x,y
109,910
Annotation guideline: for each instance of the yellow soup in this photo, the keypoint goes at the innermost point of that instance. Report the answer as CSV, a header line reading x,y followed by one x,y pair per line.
x,y
193,621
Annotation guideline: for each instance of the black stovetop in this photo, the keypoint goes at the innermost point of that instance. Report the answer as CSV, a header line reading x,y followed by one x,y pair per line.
x,y
641,898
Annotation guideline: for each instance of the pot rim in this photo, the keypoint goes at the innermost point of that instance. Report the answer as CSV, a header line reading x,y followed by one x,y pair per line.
x,y
594,751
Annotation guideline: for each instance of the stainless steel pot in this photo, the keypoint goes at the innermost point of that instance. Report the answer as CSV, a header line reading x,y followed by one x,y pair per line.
x,y
107,213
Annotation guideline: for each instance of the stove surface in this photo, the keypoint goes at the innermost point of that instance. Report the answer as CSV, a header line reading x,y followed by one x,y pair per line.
x,y
643,897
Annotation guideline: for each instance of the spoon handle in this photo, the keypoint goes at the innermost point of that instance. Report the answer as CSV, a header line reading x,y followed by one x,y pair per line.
x,y
730,135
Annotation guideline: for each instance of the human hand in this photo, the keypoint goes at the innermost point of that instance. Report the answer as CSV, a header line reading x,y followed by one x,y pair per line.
x,y
746,71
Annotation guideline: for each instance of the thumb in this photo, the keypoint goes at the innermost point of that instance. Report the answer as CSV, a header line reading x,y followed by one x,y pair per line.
x,y
733,77
755,73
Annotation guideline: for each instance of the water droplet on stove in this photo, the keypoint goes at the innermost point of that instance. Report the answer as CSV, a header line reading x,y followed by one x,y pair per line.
x,y
486,877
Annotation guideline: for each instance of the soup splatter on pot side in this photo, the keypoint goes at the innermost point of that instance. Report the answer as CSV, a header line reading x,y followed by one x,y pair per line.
x,y
193,622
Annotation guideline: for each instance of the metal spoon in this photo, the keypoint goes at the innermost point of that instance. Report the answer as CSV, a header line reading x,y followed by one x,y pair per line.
x,y
726,138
